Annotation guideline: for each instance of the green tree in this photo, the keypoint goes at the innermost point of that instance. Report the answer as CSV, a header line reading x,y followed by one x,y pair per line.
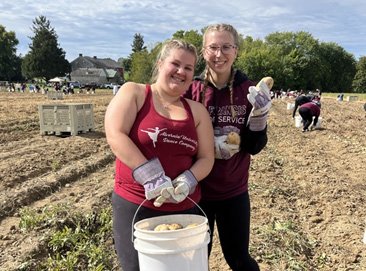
x,y
257,63
140,61
141,67
298,61
17,76
337,68
138,43
125,63
45,58
9,67
255,59
359,81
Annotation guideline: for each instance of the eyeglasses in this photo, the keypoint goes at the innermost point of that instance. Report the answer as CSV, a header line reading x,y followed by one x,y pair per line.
x,y
225,49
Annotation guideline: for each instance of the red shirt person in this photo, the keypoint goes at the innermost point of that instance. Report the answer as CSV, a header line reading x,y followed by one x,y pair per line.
x,y
309,110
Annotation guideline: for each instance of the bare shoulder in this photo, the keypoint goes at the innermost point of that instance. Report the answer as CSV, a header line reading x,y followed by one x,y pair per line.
x,y
198,110
133,88
195,106
131,91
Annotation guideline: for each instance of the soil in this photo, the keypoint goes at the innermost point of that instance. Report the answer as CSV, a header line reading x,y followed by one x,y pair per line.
x,y
316,180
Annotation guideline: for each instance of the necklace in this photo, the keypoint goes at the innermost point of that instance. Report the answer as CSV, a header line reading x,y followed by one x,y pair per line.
x,y
165,106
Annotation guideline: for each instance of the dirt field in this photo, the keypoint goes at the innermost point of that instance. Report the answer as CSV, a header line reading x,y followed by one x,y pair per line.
x,y
315,180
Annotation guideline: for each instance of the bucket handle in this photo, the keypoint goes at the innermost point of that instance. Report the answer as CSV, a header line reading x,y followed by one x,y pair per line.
x,y
134,217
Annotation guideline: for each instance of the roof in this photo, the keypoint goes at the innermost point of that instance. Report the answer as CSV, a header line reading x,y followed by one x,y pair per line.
x,y
106,63
94,62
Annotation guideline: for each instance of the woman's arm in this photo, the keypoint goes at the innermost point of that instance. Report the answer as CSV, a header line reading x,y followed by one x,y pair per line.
x,y
253,142
119,119
205,155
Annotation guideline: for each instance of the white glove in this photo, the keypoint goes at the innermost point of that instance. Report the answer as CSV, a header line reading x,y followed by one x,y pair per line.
x,y
183,185
165,197
224,150
260,97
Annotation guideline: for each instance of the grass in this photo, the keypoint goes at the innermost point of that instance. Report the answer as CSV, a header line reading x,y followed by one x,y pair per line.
x,y
72,241
361,96
284,247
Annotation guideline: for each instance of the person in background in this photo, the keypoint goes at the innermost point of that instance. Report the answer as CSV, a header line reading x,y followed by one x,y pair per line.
x,y
278,94
115,89
71,89
340,97
319,92
309,110
302,99
164,147
225,92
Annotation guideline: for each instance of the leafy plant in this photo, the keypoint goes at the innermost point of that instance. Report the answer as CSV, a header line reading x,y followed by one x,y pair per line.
x,y
75,241
55,165
283,246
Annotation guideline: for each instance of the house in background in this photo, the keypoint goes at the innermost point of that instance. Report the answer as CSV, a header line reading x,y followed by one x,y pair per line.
x,y
86,70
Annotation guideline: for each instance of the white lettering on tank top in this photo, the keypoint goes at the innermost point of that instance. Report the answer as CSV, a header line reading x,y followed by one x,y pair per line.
x,y
170,138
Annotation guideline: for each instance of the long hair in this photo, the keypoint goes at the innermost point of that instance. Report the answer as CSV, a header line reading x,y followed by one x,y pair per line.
x,y
221,27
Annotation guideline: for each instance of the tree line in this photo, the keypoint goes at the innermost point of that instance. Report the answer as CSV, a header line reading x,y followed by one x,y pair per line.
x,y
296,60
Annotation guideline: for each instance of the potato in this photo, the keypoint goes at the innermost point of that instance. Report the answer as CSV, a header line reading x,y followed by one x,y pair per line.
x,y
175,226
192,225
162,227
233,138
269,82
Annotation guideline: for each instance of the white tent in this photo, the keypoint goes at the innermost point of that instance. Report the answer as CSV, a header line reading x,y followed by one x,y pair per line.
x,y
56,80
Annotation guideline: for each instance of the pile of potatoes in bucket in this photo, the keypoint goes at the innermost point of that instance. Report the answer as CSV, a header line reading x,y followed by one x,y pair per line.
x,y
173,226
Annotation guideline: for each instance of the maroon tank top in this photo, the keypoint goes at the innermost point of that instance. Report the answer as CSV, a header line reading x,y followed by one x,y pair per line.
x,y
174,142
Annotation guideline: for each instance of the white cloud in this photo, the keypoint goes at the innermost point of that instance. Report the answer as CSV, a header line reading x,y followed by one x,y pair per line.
x,y
106,28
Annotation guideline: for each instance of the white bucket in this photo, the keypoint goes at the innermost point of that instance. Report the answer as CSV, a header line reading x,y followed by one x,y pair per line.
x,y
319,123
178,250
298,121
290,106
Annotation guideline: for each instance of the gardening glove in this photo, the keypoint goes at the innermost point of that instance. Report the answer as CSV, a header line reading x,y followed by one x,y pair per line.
x,y
223,150
260,97
152,176
183,185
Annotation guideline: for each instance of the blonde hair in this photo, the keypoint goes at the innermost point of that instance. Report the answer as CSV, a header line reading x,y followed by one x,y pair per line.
x,y
221,27
165,52
228,28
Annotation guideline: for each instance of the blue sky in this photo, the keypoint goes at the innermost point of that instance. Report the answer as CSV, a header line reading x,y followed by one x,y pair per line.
x,y
106,28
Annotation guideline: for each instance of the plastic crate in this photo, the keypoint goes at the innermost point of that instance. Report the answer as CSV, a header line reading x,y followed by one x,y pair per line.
x,y
352,98
66,118
55,95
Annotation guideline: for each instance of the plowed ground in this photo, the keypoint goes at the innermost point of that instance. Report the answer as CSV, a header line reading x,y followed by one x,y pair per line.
x,y
315,180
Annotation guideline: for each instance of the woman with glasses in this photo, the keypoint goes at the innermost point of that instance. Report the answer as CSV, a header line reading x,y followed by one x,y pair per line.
x,y
228,94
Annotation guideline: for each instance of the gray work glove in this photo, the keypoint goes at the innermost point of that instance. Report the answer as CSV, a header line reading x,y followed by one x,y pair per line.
x,y
260,97
152,176
223,150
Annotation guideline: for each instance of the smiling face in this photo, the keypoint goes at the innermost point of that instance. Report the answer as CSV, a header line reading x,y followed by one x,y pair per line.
x,y
219,62
176,71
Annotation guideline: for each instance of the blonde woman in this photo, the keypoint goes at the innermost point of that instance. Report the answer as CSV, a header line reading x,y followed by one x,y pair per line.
x,y
228,95
163,145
